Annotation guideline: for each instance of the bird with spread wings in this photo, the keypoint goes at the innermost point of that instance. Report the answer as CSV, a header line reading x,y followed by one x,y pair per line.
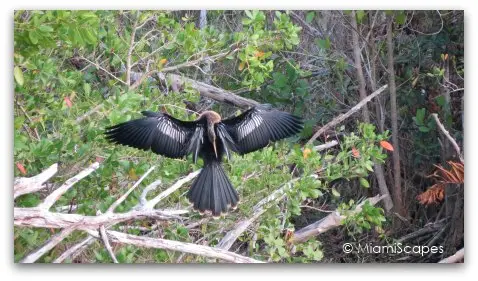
x,y
210,138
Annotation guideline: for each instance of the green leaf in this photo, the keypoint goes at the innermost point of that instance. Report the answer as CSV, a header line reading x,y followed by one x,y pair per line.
x,y
401,17
423,129
323,43
310,17
364,183
33,37
248,14
18,74
335,192
45,28
360,14
440,100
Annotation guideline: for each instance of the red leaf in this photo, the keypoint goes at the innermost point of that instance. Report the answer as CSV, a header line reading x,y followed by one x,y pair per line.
x,y
99,159
21,168
68,102
386,145
355,152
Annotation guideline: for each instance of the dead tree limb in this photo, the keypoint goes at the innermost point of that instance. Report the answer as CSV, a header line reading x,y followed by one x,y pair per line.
x,y
450,138
41,216
342,117
260,208
208,90
331,221
50,244
456,257
29,185
191,248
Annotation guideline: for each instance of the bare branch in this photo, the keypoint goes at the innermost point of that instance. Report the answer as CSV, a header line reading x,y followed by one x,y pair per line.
x,y
38,217
29,185
326,145
50,244
158,243
130,50
91,111
331,221
55,195
146,190
106,71
450,138
150,204
106,242
259,209
209,91
342,117
124,196
75,250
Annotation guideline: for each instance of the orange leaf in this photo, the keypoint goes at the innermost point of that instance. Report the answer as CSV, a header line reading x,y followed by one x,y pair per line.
x,y
355,152
241,66
68,102
163,61
386,145
259,54
306,153
433,195
21,168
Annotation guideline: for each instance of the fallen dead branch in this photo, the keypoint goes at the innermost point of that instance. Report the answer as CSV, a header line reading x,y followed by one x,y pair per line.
x,y
41,216
191,248
208,91
29,185
331,221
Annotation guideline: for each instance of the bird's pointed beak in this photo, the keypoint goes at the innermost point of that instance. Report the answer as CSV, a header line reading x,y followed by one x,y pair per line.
x,y
215,150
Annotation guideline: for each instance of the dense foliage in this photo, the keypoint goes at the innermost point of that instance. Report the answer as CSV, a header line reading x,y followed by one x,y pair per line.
x,y
71,71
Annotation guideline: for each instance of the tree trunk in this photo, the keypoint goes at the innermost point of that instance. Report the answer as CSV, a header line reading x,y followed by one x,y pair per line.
x,y
358,66
397,188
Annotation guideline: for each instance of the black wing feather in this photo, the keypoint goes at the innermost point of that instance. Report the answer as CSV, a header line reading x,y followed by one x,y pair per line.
x,y
159,132
257,127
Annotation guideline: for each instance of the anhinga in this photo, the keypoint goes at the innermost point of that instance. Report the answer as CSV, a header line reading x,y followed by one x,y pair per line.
x,y
210,138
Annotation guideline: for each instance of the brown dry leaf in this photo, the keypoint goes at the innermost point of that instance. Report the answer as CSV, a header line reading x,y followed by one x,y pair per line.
x,y
433,195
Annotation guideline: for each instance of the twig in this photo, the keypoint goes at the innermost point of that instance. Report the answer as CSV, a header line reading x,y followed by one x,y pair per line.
x,y
29,119
326,145
124,196
342,117
91,111
456,257
130,51
158,243
146,190
75,250
106,71
38,253
450,138
260,208
55,195
151,203
106,242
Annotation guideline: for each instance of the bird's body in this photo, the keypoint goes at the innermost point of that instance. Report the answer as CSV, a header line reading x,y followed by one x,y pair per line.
x,y
211,138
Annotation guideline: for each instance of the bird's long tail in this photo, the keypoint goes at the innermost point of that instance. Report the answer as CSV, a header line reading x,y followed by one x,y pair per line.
x,y
212,191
